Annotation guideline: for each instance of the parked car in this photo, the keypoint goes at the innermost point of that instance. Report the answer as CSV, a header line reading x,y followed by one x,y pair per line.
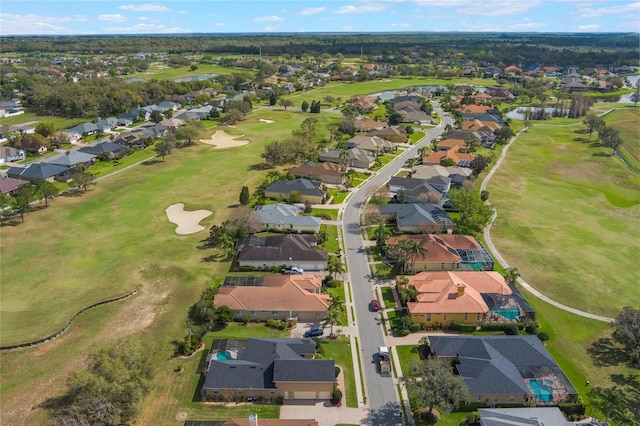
x,y
293,270
314,332
375,305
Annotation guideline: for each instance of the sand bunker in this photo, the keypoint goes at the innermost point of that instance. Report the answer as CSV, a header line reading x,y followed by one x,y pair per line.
x,y
222,139
188,222
264,120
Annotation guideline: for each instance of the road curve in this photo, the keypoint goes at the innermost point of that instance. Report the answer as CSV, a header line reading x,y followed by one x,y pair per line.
x,y
496,254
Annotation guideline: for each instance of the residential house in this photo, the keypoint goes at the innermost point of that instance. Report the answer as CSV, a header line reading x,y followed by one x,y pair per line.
x,y
9,185
305,190
279,297
448,252
267,369
252,420
10,108
457,174
82,130
500,94
105,149
394,134
372,144
134,140
424,218
449,148
287,218
106,124
331,173
410,190
365,124
9,154
200,113
171,123
73,159
7,130
526,416
41,171
168,106
506,369
282,250
364,103
354,157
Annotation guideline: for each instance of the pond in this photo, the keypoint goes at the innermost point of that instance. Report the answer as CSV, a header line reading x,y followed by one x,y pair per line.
x,y
196,78
136,80
390,94
523,113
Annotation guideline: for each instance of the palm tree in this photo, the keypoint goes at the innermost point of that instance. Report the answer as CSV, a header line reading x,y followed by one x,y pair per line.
x,y
381,236
335,266
415,249
405,291
335,311
511,275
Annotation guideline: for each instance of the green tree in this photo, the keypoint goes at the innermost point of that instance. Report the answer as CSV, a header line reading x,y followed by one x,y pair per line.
x,y
305,106
610,138
189,132
606,400
308,208
285,103
45,129
82,179
593,122
433,382
511,275
335,311
335,266
479,164
381,233
273,99
47,190
156,116
474,214
244,196
232,117
627,333
5,205
22,199
414,249
164,148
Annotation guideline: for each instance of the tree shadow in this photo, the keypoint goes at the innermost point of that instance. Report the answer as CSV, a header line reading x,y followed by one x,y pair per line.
x,y
74,192
601,154
581,131
212,258
152,162
259,166
388,414
629,385
605,353
582,140
202,363
595,144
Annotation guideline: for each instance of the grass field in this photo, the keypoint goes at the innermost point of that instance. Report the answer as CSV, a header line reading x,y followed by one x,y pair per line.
x,y
109,241
168,73
340,351
59,123
626,121
572,207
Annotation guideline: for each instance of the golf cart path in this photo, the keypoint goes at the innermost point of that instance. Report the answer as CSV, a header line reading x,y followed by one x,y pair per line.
x,y
503,262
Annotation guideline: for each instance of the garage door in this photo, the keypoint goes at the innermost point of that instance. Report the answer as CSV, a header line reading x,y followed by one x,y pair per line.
x,y
325,395
303,395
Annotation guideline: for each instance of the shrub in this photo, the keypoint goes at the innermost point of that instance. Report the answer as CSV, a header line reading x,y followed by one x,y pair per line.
x,y
543,336
337,371
472,418
571,408
464,328
531,329
336,397
414,327
511,330
429,418
279,399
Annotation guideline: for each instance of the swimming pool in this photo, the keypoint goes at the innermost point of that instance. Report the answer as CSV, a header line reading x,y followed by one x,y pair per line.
x,y
542,389
223,356
508,313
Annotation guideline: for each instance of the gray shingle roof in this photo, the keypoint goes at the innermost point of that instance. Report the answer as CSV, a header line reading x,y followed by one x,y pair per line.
x,y
497,364
102,148
36,171
265,361
301,185
71,159
539,416
415,214
288,247
283,214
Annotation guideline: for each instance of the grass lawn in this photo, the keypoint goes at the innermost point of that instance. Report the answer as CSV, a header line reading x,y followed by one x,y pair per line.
x,y
340,352
331,213
408,354
385,159
169,73
59,123
384,271
336,292
338,195
102,168
574,209
415,137
387,296
626,121
332,245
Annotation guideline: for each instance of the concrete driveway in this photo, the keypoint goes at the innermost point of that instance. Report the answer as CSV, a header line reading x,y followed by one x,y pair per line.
x,y
325,413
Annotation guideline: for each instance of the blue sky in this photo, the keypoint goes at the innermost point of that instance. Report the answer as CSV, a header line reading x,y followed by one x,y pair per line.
x,y
19,17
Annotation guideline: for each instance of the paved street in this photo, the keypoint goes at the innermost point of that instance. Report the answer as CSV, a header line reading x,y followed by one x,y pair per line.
x,y
382,397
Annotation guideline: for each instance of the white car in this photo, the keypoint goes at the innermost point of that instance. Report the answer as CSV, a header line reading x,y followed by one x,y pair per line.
x,y
293,270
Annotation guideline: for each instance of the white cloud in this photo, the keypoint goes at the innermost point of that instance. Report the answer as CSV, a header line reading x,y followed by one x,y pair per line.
x,y
270,28
144,7
401,25
497,7
590,12
147,28
268,18
16,24
112,18
528,26
361,8
591,27
312,11
347,28
219,24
